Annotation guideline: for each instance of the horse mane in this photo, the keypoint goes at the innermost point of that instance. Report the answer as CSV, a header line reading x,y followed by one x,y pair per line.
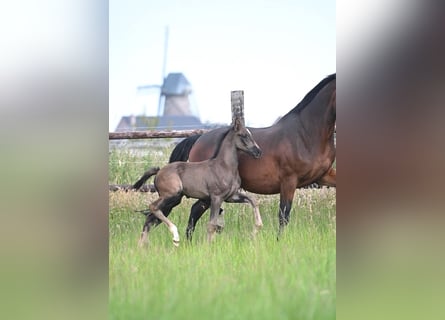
x,y
182,150
219,143
311,95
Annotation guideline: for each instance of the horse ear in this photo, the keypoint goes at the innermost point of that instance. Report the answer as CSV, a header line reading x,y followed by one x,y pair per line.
x,y
238,125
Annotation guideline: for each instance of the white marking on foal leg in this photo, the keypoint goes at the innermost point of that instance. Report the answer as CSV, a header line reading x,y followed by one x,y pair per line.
x,y
258,221
174,230
143,239
171,226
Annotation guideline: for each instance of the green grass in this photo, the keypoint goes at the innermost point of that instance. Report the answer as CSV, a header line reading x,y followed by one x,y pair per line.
x,y
126,166
237,276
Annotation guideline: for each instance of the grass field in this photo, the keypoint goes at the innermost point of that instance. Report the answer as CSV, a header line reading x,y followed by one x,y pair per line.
x,y
235,277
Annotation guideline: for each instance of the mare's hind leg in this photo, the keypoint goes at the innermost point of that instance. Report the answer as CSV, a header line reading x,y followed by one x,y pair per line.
x,y
329,179
244,198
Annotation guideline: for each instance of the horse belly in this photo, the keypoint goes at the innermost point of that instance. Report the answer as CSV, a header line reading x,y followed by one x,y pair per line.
x,y
260,187
195,193
313,173
194,184
259,176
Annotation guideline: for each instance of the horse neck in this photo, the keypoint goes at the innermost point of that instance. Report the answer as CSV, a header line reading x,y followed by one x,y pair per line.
x,y
227,155
317,119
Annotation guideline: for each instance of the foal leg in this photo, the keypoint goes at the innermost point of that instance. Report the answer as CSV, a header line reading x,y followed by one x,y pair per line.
x,y
220,221
153,221
212,226
245,198
155,207
150,221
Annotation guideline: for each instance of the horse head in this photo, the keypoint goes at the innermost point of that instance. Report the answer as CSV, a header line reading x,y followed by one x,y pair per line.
x,y
244,139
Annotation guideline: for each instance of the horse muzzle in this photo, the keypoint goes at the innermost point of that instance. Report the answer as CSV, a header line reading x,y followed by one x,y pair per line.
x,y
256,152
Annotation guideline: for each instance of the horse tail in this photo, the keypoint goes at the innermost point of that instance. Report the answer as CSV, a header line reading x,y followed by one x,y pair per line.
x,y
150,172
182,150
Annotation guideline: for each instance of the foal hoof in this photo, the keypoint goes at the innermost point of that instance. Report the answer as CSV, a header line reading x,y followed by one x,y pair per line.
x,y
176,243
220,221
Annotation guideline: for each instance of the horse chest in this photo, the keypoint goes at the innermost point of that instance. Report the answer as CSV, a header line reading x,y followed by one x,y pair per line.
x,y
225,186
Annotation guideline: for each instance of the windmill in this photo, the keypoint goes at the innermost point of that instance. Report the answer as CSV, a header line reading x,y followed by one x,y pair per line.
x,y
174,92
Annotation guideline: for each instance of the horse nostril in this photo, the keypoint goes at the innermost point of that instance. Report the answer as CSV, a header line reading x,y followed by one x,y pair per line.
x,y
256,152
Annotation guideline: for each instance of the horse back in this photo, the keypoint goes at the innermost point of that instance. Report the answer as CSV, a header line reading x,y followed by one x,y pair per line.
x,y
205,147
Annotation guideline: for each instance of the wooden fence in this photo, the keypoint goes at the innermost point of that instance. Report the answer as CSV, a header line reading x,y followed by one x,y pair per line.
x,y
149,134
155,134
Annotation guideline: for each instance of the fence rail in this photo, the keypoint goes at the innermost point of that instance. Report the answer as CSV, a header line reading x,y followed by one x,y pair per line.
x,y
155,134
129,187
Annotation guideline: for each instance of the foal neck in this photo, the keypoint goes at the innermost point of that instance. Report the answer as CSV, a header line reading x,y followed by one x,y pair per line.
x,y
227,153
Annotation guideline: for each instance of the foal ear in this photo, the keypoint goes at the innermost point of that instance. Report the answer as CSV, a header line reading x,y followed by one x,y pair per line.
x,y
238,125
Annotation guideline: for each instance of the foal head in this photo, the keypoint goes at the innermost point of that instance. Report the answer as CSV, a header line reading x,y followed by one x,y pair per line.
x,y
244,140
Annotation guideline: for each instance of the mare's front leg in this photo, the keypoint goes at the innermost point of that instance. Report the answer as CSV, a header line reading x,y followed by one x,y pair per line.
x,y
198,209
244,198
287,192
212,226
329,179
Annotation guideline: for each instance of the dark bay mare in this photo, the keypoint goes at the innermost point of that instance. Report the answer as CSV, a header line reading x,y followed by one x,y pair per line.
x,y
298,150
211,181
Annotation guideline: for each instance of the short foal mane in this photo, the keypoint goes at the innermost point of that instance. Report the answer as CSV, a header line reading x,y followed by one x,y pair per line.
x,y
219,143
311,95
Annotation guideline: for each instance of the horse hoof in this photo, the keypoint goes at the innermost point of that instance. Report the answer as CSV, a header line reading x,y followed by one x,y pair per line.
x,y
176,243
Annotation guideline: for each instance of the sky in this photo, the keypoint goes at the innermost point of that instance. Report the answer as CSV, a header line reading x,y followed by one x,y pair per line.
x,y
276,51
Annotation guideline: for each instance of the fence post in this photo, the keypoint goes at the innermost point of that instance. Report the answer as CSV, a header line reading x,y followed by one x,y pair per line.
x,y
237,100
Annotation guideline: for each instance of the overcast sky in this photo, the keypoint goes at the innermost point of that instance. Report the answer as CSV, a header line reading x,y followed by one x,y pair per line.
x,y
275,51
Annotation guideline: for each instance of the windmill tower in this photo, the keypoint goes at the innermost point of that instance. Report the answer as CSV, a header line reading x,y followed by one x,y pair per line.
x,y
175,93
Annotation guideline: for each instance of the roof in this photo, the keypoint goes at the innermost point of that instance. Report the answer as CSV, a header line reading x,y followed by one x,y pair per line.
x,y
176,84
